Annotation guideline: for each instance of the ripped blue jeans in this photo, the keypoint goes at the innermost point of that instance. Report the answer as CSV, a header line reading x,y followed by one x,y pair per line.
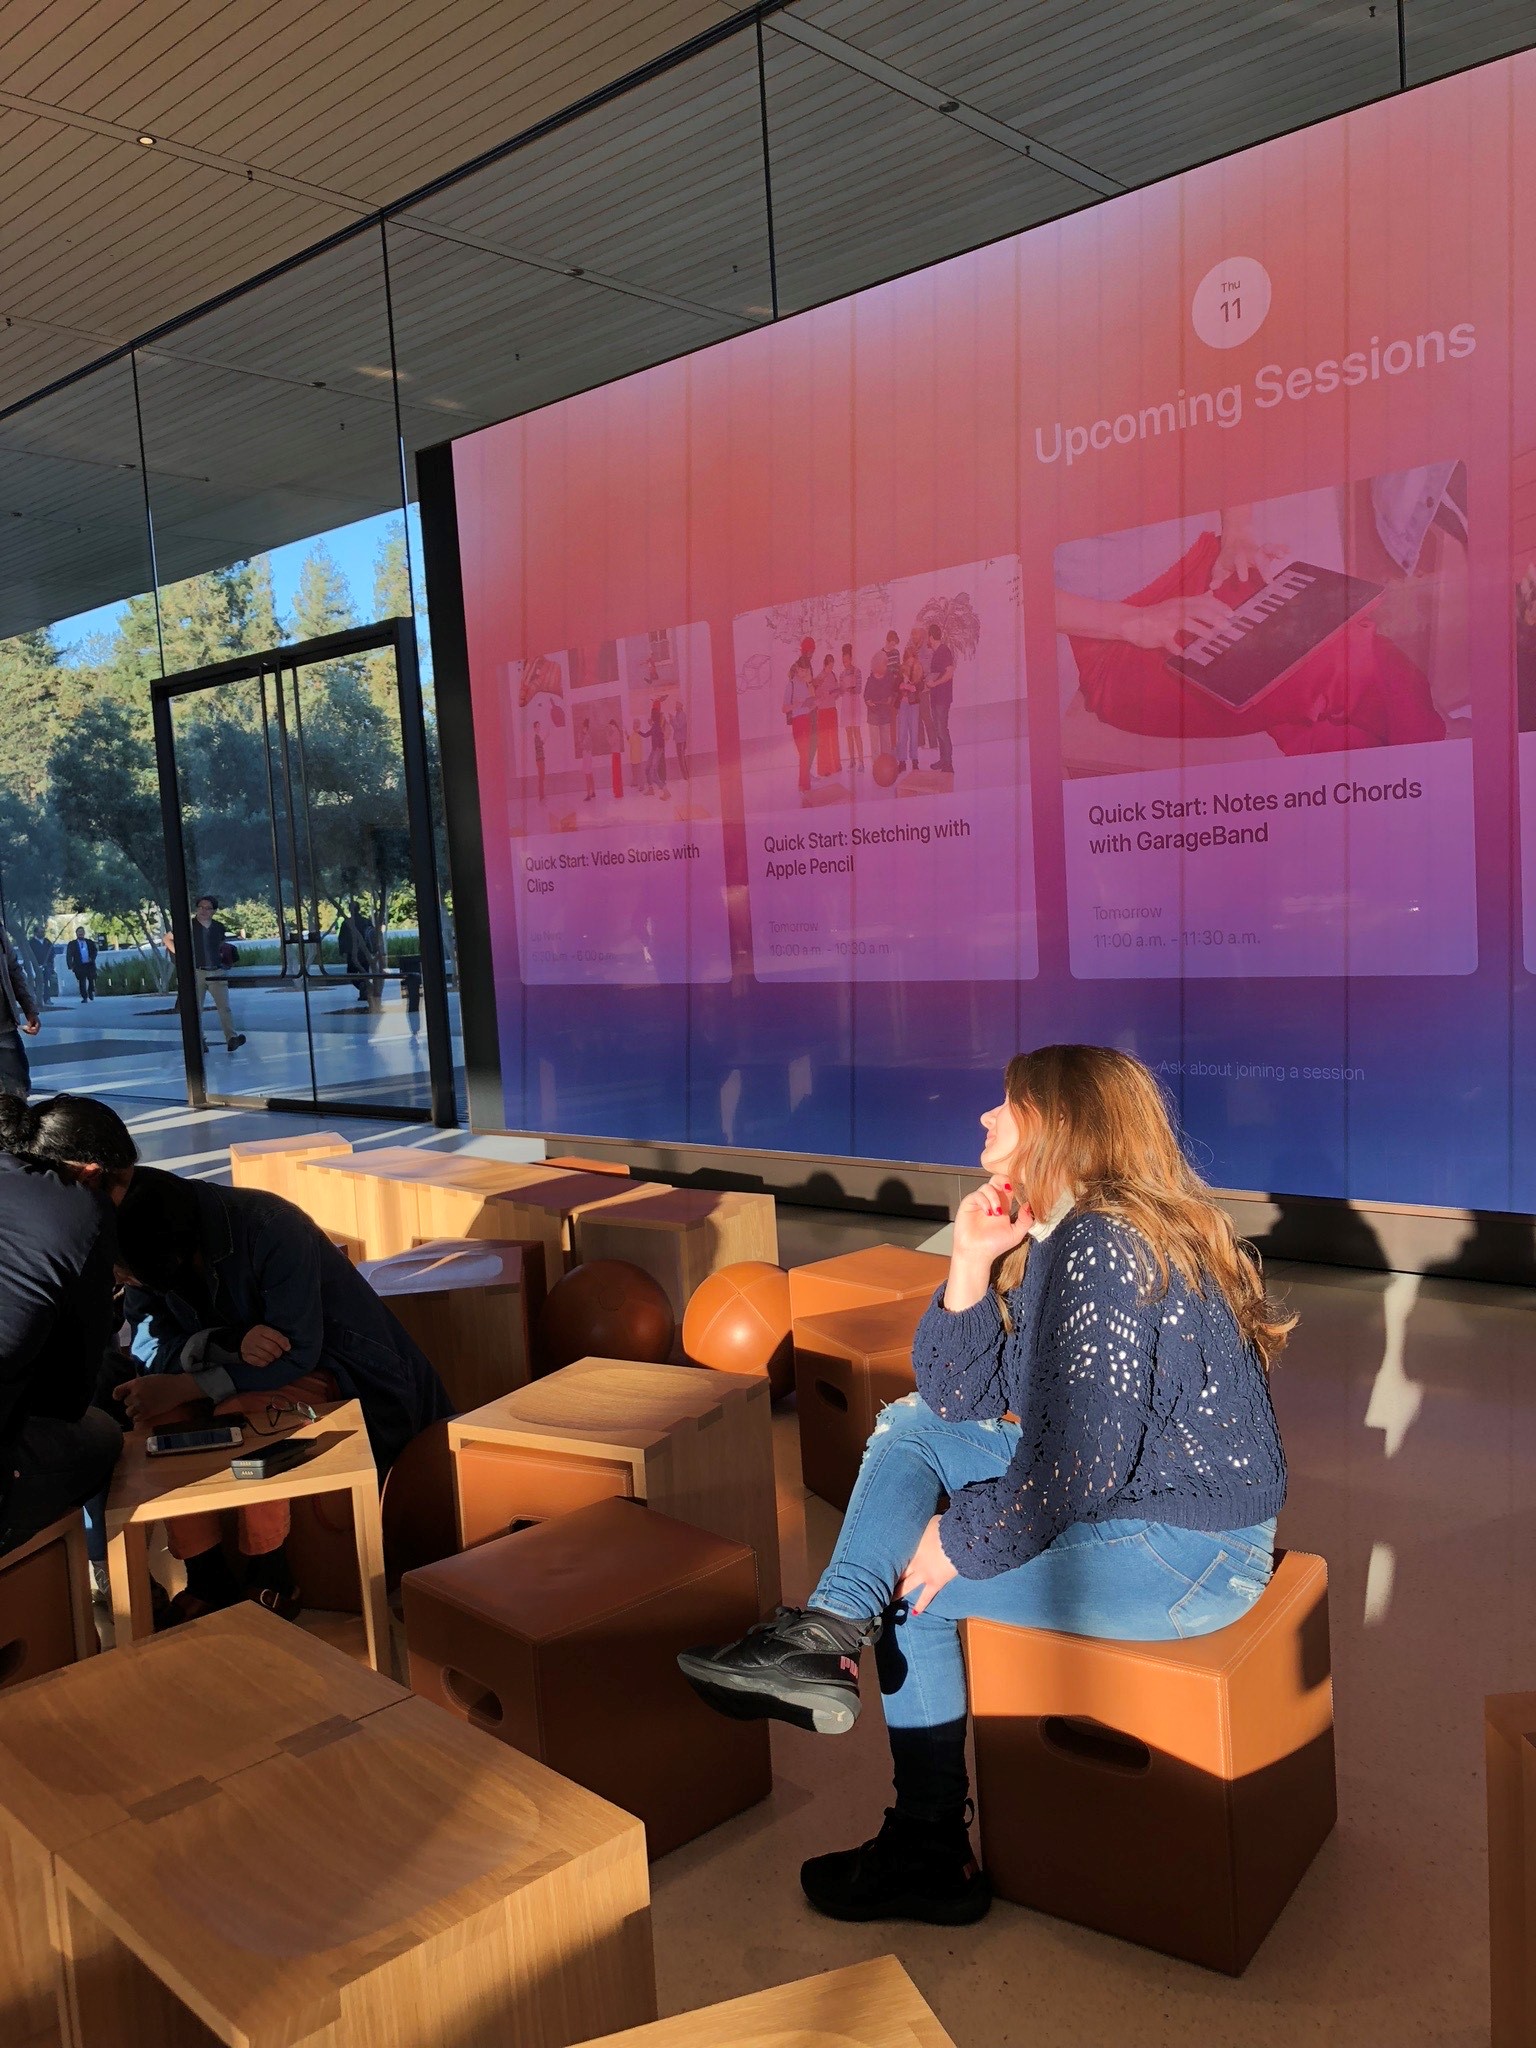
x,y
1133,1581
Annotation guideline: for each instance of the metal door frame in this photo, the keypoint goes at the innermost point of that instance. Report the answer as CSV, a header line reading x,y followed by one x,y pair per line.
x,y
400,636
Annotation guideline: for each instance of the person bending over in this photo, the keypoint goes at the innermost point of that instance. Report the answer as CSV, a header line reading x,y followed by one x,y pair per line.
x,y
64,1163
1093,1403
239,1303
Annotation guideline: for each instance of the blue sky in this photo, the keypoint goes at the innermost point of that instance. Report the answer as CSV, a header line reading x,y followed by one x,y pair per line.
x,y
353,547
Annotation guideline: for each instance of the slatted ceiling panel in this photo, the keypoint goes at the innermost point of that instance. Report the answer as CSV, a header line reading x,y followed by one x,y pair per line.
x,y
498,338
663,190
867,184
1136,90
1448,35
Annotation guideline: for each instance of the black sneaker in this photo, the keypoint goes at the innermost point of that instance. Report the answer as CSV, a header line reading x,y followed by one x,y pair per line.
x,y
237,1041
912,1870
801,1667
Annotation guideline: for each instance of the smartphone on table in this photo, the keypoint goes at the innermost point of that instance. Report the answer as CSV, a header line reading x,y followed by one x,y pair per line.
x,y
218,1436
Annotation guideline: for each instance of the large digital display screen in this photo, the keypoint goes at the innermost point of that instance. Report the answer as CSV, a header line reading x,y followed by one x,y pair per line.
x,y
1123,632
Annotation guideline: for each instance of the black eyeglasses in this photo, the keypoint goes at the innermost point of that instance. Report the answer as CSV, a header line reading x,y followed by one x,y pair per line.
x,y
279,1414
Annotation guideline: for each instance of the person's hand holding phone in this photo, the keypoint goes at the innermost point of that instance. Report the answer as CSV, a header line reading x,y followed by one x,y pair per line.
x,y
262,1345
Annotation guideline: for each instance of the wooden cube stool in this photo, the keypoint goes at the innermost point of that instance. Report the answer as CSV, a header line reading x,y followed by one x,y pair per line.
x,y
563,1640
866,2005
469,1304
680,1235
45,1602
369,1198
883,1272
848,1366
1170,1793
273,1163
696,1445
579,1165
398,1879
546,1208
137,1732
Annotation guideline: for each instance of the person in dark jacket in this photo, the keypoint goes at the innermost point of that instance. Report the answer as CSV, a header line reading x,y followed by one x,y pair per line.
x,y
18,1019
239,1303
62,1165
1091,1449
80,959
212,958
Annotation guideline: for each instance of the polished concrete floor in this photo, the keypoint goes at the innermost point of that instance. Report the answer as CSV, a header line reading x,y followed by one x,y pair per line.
x,y
1409,1414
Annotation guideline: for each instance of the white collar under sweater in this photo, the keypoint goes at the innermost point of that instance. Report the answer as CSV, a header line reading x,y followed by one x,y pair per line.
x,y
1063,1208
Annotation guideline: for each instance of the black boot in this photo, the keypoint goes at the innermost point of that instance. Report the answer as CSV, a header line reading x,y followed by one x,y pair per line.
x,y
912,1870
801,1667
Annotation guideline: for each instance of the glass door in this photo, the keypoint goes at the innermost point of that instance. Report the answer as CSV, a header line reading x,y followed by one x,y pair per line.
x,y
307,932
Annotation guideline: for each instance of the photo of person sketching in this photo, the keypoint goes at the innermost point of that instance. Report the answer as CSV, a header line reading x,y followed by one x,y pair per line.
x,y
1325,622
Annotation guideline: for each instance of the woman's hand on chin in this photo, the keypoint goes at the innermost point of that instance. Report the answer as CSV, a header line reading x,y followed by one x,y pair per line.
x,y
929,1572
987,1226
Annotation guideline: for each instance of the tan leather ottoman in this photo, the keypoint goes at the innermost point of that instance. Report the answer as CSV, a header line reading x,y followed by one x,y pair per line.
x,y
562,1640
882,1272
848,1366
1170,1793
693,1444
469,1304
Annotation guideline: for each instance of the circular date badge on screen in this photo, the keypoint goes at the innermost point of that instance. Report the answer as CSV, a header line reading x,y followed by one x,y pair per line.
x,y
1231,301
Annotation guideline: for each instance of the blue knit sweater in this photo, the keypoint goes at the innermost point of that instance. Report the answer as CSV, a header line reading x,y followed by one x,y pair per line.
x,y
1132,1409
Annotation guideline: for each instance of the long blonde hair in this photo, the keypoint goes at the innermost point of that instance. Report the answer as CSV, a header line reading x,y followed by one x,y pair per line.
x,y
1097,1127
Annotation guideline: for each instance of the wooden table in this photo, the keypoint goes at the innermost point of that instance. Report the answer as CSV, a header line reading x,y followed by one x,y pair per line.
x,y
696,1445
550,1206
146,1490
130,1734
881,1272
680,1235
407,1882
867,2005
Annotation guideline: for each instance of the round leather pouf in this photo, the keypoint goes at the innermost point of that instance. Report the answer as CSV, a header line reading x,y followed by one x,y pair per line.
x,y
605,1309
738,1321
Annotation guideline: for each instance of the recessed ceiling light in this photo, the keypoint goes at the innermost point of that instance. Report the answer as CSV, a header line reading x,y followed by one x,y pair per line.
x,y
148,141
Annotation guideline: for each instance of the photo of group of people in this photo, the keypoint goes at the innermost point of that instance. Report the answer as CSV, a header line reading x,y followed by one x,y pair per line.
x,y
1332,620
896,689
625,727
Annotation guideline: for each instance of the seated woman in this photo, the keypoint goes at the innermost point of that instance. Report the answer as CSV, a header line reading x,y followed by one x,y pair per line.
x,y
1093,1405
239,1302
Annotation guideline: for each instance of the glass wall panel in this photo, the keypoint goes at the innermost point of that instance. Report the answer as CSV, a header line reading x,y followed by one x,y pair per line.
x,y
80,845
277,515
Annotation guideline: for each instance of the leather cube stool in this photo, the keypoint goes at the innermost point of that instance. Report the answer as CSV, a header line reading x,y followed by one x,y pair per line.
x,y
882,1272
45,1603
1170,1793
848,1366
562,1639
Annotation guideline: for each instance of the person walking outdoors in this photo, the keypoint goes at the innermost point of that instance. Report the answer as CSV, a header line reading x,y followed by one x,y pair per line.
x,y
352,943
850,683
212,955
799,709
44,952
941,694
616,756
18,1019
80,959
